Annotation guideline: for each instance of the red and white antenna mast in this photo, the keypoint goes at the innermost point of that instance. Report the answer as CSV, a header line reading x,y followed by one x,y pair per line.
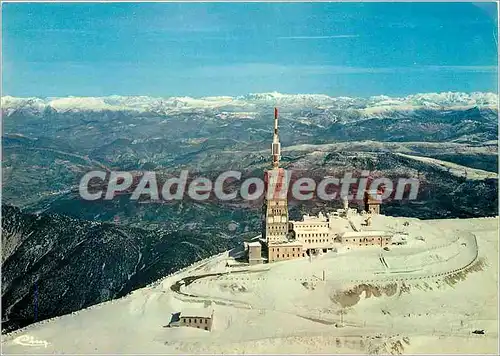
x,y
276,146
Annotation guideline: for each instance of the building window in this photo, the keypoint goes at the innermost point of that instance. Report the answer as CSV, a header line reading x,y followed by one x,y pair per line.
x,y
206,328
189,320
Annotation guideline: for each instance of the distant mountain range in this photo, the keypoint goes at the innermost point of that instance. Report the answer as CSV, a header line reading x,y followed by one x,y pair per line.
x,y
287,102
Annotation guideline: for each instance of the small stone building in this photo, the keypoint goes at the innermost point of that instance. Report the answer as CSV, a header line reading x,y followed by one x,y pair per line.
x,y
254,250
200,318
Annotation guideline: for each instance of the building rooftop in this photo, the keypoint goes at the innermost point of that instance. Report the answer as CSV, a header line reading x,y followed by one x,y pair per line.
x,y
312,218
365,233
254,244
316,229
196,313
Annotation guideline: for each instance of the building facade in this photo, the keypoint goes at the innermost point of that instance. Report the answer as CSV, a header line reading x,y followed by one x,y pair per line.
x,y
197,318
285,251
275,207
366,238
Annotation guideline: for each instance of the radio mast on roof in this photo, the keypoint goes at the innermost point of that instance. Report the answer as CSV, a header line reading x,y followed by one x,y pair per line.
x,y
276,146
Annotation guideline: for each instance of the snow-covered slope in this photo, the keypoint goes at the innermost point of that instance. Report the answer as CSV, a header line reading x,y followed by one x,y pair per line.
x,y
453,168
371,105
275,309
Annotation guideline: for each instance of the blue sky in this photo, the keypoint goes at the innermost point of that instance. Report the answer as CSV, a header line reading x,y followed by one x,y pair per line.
x,y
202,49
